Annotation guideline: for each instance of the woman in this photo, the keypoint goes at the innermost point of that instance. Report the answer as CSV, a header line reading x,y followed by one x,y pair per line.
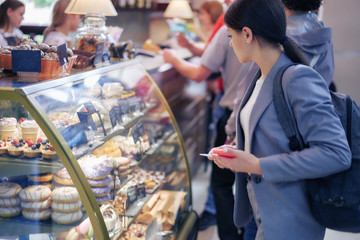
x,y
270,179
209,13
11,15
62,24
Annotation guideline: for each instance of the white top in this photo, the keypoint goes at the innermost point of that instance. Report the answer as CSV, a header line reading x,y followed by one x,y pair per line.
x,y
246,112
17,33
55,38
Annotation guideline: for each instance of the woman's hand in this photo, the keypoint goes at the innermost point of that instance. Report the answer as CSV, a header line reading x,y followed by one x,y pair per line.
x,y
168,55
182,40
243,161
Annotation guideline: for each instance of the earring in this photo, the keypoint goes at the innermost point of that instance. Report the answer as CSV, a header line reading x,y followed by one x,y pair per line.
x,y
247,41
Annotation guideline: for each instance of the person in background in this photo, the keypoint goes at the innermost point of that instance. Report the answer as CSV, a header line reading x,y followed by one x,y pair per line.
x,y
11,16
62,24
208,14
270,178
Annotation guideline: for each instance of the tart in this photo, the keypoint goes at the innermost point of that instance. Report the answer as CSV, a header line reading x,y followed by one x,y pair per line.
x,y
3,147
16,148
33,150
49,152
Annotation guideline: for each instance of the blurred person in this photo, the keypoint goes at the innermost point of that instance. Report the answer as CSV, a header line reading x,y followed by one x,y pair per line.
x,y
11,16
270,178
62,24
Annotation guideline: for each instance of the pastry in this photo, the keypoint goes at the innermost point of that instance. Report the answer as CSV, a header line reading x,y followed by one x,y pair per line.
x,y
101,192
49,152
9,190
10,211
44,177
115,184
16,148
3,147
100,183
95,168
32,150
66,207
103,200
35,193
37,215
10,202
62,177
8,129
29,130
66,218
36,206
65,194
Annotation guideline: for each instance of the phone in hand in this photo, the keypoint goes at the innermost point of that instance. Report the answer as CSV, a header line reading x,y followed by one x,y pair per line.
x,y
221,153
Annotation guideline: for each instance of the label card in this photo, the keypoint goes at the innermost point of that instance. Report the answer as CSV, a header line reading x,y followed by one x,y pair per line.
x,y
124,106
90,107
85,118
137,131
99,52
62,52
26,60
115,115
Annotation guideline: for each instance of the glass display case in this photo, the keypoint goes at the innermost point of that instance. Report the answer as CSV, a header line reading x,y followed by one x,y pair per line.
x,y
96,154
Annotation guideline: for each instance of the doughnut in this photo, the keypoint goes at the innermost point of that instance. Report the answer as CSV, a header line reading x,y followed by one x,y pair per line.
x,y
10,211
65,218
100,183
101,192
9,202
103,200
95,168
44,177
63,177
66,207
120,161
37,215
9,190
65,194
35,193
36,206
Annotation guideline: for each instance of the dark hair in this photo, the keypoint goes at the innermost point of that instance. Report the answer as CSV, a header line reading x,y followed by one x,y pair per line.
x,y
267,21
13,4
302,5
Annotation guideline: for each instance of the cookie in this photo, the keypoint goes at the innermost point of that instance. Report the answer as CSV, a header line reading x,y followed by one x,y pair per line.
x,y
35,193
9,189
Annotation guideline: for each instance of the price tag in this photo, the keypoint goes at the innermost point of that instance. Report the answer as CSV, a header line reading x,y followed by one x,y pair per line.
x,y
99,52
26,60
90,107
86,119
124,106
74,135
115,115
137,131
62,53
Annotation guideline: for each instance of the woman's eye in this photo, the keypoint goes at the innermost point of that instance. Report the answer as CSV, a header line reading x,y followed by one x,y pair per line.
x,y
229,35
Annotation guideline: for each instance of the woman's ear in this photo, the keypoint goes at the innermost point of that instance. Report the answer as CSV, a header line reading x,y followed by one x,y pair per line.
x,y
248,35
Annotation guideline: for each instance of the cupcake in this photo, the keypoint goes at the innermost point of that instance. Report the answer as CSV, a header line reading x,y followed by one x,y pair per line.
x,y
29,130
8,128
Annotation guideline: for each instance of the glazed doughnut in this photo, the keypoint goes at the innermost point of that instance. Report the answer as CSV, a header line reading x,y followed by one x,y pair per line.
x,y
63,177
37,215
95,168
36,206
10,211
65,194
101,192
35,193
103,200
9,189
44,177
66,207
100,183
65,218
10,202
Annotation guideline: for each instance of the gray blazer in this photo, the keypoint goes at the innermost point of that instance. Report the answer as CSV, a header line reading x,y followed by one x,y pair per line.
x,y
280,192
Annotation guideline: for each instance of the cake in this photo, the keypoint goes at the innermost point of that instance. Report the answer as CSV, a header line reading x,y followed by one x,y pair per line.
x,y
8,128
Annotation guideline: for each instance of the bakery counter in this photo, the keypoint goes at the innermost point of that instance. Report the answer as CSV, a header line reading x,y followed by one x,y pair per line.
x,y
96,154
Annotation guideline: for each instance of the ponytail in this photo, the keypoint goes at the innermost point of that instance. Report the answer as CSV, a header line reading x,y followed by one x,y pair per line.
x,y
293,51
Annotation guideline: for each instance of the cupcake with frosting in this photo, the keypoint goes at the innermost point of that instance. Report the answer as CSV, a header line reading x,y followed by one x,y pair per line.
x,y
8,129
29,130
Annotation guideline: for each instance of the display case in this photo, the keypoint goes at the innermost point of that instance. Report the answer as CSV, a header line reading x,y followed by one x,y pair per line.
x,y
96,154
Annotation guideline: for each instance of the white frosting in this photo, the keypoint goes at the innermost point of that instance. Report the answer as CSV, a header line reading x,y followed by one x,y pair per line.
x,y
29,124
8,121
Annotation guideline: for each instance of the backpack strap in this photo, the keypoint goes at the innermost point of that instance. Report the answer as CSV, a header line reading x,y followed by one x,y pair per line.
x,y
282,110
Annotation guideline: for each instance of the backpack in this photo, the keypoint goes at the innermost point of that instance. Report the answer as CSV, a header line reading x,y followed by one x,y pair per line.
x,y
334,200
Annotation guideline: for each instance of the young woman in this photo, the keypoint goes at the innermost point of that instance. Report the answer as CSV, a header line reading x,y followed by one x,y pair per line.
x,y
62,24
11,15
270,178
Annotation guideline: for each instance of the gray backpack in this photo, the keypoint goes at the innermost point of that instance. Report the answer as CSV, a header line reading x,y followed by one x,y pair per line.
x,y
335,199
